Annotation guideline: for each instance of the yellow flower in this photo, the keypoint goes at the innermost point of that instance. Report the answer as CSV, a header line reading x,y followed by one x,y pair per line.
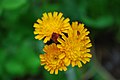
x,y
50,24
76,45
53,59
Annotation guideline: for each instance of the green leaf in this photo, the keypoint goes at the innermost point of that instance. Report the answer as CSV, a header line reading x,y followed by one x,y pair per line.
x,y
98,77
2,55
49,8
28,58
71,75
117,37
14,68
32,63
59,76
41,46
12,4
104,21
1,10
99,22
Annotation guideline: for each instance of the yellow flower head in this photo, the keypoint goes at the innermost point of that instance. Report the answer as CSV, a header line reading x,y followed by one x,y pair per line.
x,y
76,45
49,24
53,59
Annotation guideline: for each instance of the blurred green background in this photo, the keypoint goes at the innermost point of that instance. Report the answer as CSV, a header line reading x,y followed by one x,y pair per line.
x,y
19,51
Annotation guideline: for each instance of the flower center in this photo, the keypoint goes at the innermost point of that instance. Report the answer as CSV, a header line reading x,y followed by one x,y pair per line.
x,y
54,37
78,33
56,58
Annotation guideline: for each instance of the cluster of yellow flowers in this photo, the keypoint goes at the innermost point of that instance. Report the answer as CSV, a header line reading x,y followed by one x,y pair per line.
x,y
70,43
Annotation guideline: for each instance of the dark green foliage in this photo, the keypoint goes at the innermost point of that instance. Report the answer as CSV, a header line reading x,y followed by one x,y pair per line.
x,y
48,76
19,51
